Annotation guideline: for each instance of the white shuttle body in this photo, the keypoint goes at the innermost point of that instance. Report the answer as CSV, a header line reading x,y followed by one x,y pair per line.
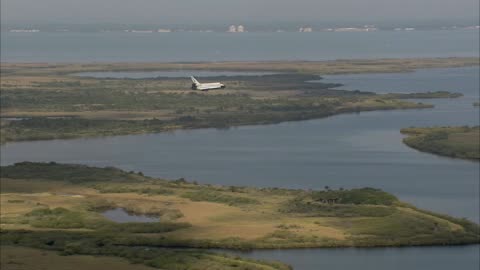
x,y
196,85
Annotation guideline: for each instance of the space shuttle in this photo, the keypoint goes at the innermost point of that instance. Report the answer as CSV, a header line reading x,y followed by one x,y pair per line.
x,y
196,85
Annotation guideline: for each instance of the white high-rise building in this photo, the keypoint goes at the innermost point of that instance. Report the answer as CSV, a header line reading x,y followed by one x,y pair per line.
x,y
240,28
232,29
305,29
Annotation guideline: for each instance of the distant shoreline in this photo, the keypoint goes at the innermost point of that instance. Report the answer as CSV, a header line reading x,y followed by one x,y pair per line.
x,y
324,67
235,29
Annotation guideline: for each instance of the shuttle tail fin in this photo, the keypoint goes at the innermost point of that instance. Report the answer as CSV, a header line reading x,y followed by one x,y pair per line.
x,y
194,81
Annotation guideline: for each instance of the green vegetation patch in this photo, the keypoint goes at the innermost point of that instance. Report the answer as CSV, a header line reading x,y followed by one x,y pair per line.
x,y
218,197
66,172
138,227
119,188
281,238
42,128
61,218
403,228
78,243
315,209
58,218
354,196
399,224
425,95
457,142
367,202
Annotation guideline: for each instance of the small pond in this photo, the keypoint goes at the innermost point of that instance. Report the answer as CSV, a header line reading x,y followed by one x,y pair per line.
x,y
121,216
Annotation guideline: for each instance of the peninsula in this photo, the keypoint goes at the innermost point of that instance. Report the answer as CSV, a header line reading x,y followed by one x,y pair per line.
x,y
43,101
61,207
456,142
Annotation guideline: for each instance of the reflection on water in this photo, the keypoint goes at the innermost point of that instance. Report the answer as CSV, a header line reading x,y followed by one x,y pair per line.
x,y
121,216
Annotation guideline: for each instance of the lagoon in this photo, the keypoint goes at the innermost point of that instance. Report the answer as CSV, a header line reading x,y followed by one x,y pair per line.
x,y
120,215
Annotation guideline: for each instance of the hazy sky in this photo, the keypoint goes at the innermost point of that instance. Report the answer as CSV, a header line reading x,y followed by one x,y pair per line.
x,y
241,11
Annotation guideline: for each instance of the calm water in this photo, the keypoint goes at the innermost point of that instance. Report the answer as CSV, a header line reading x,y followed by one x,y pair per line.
x,y
351,150
141,47
121,216
464,80
424,258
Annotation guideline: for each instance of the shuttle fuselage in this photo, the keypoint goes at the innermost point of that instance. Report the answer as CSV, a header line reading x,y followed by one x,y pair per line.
x,y
196,85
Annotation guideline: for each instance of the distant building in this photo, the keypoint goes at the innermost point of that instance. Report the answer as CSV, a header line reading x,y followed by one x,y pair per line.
x,y
141,31
305,29
162,30
346,29
370,27
366,28
236,29
24,30
473,27
232,29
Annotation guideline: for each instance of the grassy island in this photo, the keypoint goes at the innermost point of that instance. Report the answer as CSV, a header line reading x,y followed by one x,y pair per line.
x,y
426,95
456,142
58,207
44,101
